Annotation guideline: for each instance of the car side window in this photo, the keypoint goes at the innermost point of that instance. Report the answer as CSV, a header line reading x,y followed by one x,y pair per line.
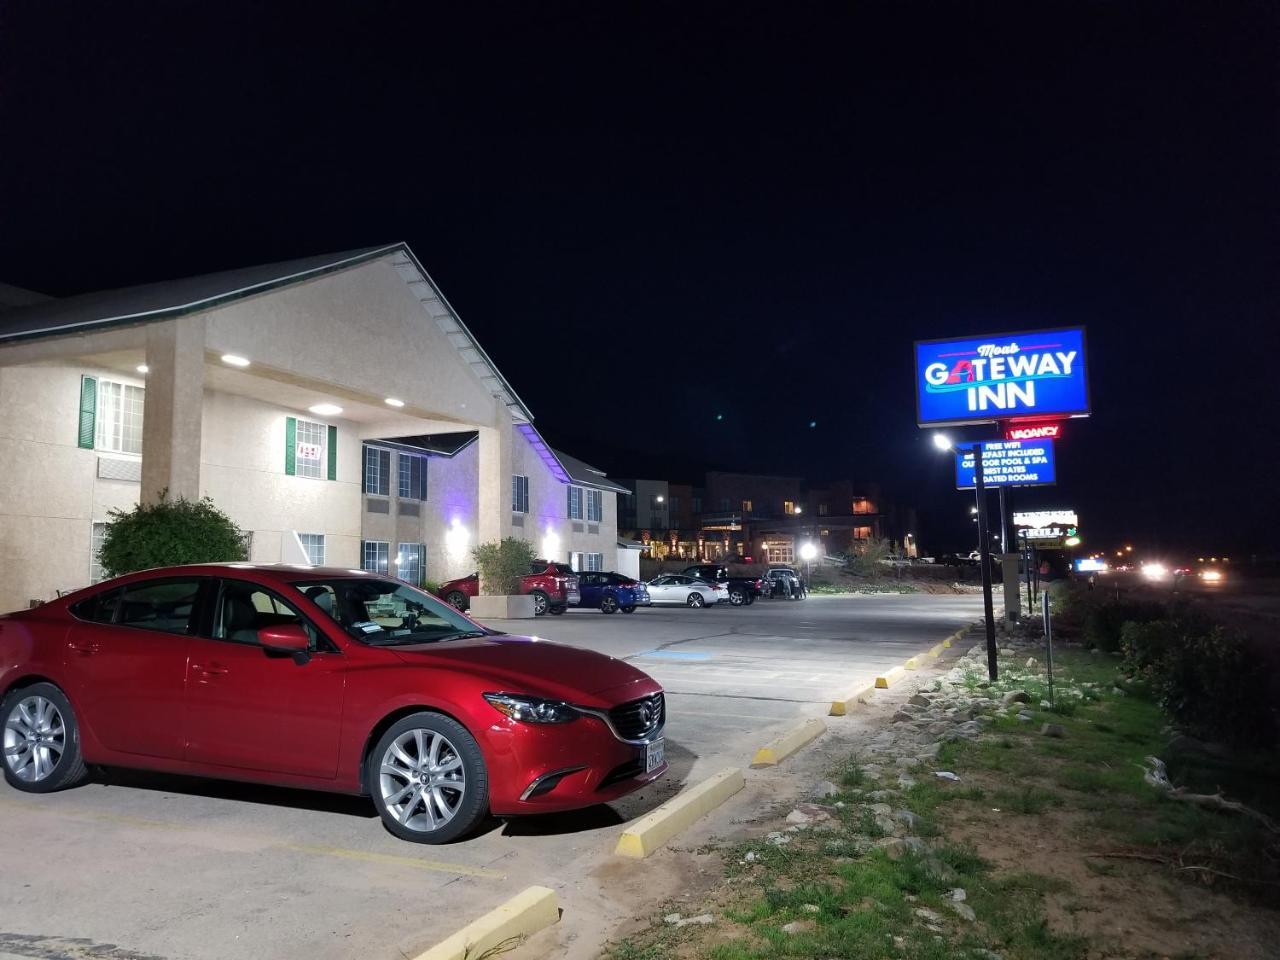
x,y
245,608
167,606
99,608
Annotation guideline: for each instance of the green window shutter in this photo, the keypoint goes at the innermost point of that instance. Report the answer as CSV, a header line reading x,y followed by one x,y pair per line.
x,y
333,453
290,445
88,411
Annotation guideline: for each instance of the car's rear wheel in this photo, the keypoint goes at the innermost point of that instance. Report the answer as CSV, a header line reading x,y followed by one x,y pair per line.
x,y
541,603
41,740
456,599
737,597
609,604
428,779
559,609
695,600
629,609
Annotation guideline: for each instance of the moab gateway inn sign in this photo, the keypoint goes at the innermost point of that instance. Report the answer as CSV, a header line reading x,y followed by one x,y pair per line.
x,y
1040,374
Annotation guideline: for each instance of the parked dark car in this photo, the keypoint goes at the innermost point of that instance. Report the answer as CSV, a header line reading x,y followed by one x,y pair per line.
x,y
554,587
610,592
787,584
742,590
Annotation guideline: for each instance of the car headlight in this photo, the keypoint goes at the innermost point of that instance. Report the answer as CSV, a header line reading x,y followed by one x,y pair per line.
x,y
532,709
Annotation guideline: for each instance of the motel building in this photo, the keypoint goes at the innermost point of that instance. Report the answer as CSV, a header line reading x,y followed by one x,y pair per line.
x,y
336,408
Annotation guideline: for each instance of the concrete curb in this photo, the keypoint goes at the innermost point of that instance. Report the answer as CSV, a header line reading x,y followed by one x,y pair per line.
x,y
840,708
885,680
526,913
775,751
679,813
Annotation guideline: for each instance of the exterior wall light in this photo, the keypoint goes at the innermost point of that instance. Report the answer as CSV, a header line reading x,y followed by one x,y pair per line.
x,y
393,402
143,368
231,360
551,544
456,538
325,409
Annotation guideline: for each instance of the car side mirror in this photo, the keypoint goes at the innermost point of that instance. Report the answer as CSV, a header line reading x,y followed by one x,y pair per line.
x,y
287,638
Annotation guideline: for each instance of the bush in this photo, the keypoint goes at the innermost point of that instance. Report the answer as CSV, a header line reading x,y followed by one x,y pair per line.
x,y
1104,620
169,533
431,586
865,562
502,564
1205,676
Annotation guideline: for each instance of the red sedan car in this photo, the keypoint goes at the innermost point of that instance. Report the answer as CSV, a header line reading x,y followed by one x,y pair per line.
x,y
325,679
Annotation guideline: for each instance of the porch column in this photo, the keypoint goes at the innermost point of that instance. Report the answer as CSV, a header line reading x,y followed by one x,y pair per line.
x,y
172,408
494,500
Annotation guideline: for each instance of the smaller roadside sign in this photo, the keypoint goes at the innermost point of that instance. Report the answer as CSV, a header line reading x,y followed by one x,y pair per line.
x,y
1047,529
1009,463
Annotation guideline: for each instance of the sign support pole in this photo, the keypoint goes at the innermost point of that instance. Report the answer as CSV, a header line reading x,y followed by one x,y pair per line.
x,y
984,557
1004,523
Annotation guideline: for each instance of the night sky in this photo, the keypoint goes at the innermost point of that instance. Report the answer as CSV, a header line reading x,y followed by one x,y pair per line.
x,y
655,213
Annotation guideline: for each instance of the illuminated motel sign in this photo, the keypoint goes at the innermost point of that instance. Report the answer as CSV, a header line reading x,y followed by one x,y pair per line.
x,y
1017,376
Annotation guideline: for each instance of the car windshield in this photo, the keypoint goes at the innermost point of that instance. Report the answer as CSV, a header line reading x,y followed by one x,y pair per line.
x,y
385,612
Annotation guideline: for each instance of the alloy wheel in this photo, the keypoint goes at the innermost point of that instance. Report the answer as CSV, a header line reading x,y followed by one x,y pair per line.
x,y
695,600
35,737
609,605
422,780
540,604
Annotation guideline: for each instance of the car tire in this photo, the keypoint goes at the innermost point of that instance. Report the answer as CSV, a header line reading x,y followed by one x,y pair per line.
x,y
750,599
42,711
737,597
609,604
467,785
629,609
541,603
696,600
558,610
457,599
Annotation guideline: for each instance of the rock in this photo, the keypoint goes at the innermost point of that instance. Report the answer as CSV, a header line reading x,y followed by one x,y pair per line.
x,y
884,825
902,716
840,804
928,751
908,819
1031,663
799,926
908,762
970,728
984,685
947,775
880,809
701,920
778,839
927,915
957,894
1055,730
750,857
898,847
810,908
963,910
1017,696
920,700
671,918
879,796
940,872
905,782
826,789
1025,717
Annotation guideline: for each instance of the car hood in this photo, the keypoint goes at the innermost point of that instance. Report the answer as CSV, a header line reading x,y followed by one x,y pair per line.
x,y
539,667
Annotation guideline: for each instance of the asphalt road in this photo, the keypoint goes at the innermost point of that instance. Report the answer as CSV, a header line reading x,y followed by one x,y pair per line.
x,y
186,869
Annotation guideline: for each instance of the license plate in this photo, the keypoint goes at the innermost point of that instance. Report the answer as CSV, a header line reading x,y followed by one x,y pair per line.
x,y
574,596
654,754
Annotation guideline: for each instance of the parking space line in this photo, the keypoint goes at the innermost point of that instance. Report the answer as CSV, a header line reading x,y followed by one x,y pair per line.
x,y
439,866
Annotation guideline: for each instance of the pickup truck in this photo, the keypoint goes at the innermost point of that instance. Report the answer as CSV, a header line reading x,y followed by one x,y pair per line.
x,y
554,587
743,591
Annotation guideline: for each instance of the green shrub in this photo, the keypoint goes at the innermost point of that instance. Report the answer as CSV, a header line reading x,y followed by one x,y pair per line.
x,y
865,561
431,586
1104,620
502,564
169,533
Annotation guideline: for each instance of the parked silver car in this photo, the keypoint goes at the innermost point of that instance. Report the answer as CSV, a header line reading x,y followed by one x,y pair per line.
x,y
687,591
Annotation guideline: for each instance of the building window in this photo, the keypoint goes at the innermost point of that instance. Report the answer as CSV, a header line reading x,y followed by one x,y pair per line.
x,y
655,522
375,555
747,506
575,503
312,543
595,506
724,504
98,534
377,469
780,552
673,505
697,505
863,505
409,563
413,476
788,507
822,509
586,562
519,494
312,449
119,417
862,533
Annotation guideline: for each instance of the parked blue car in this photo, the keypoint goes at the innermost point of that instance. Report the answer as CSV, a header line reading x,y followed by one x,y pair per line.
x,y
611,592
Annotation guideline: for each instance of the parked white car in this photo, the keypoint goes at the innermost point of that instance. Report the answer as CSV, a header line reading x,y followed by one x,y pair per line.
x,y
687,591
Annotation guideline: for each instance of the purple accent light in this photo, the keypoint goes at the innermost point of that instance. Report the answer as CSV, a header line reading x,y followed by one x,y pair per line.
x,y
543,451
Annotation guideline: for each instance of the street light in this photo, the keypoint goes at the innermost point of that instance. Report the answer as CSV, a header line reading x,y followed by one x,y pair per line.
x,y
943,442
807,552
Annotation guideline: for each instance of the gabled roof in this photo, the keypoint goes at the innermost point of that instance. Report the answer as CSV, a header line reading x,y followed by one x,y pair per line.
x,y
585,474
172,298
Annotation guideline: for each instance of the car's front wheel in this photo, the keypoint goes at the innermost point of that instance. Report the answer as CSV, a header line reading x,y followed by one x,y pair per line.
x,y
608,604
696,600
630,608
456,599
737,597
41,740
428,779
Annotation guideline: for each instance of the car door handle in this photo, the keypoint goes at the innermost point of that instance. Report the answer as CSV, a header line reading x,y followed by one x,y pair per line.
x,y
83,646
210,670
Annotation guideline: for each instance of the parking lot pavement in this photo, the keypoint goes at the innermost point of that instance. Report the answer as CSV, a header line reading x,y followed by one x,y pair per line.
x,y
167,867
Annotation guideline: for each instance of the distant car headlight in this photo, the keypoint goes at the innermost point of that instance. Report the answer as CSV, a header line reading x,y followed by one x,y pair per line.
x,y
1212,576
532,709
1155,571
